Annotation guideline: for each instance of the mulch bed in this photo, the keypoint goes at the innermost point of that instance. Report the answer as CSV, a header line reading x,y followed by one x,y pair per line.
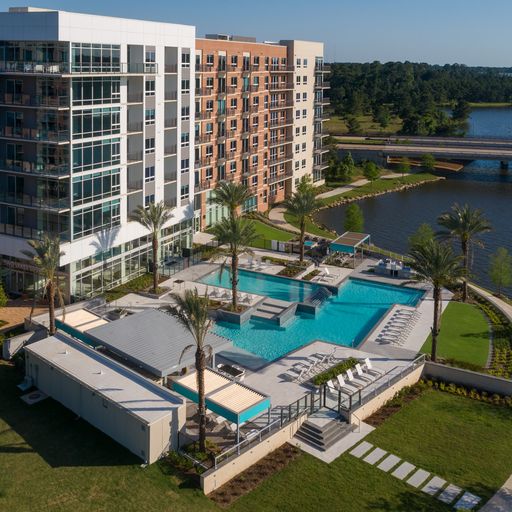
x,y
386,411
253,477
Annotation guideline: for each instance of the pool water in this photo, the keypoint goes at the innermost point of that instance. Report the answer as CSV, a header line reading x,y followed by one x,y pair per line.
x,y
344,319
281,288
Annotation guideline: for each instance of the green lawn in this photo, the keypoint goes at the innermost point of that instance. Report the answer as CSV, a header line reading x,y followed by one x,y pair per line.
x,y
311,227
267,233
464,335
381,185
142,282
52,461
337,126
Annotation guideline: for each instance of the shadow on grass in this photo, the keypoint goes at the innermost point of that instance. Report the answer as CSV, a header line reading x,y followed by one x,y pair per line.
x,y
52,431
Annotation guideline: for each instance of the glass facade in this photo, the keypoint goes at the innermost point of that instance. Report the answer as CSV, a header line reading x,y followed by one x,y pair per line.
x,y
91,219
96,186
96,90
96,122
95,58
96,154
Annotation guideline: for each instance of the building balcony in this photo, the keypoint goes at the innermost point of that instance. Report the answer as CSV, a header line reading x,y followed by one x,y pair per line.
x,y
204,185
29,201
246,132
279,159
280,122
320,167
281,68
134,156
280,141
31,233
170,122
28,100
203,139
321,117
322,102
170,176
135,127
203,116
275,105
320,151
322,84
35,134
280,176
203,162
64,68
231,89
280,86
134,186
230,112
41,169
322,68
171,95
205,91
170,150
205,68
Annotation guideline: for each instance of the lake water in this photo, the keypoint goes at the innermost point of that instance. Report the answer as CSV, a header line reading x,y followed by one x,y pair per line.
x,y
392,218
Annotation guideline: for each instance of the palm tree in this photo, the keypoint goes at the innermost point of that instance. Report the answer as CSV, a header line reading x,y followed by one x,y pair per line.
x,y
231,195
46,256
301,205
191,311
465,224
238,234
436,264
153,218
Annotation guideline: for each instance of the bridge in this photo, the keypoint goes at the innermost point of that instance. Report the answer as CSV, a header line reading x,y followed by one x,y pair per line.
x,y
443,148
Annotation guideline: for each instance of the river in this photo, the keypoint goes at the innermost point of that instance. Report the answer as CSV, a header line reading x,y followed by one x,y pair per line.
x,y
392,218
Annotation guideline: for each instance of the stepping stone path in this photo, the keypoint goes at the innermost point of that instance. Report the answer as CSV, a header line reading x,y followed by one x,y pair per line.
x,y
374,456
389,462
361,449
418,478
434,486
403,470
450,493
467,501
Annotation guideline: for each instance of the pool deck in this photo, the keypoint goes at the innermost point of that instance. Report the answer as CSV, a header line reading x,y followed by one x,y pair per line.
x,y
273,380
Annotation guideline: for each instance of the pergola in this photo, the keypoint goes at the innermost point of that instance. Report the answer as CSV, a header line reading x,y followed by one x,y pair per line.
x,y
349,242
229,399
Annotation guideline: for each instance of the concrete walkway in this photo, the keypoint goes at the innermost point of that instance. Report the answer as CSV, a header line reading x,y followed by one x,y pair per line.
x,y
501,305
502,500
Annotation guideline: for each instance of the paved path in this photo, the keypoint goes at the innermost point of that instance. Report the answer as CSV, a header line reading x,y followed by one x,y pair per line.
x,y
431,485
503,306
276,215
502,500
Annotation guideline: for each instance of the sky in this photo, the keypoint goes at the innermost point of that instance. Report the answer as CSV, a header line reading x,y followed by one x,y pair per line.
x,y
472,32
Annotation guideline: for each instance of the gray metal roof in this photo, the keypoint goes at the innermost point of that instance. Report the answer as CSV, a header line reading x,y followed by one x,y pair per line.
x,y
152,339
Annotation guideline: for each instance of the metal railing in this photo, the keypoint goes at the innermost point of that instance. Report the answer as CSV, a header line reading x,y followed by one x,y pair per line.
x,y
52,68
29,100
35,134
34,201
34,168
30,233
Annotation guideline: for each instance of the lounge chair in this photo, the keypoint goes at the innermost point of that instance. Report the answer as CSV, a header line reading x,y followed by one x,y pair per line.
x,y
352,380
362,375
332,386
371,369
344,386
326,275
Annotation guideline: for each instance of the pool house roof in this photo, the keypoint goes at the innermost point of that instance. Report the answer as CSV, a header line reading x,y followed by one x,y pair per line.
x,y
151,340
231,400
349,242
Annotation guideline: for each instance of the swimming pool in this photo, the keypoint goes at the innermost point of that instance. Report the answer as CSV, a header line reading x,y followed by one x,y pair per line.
x,y
263,284
343,319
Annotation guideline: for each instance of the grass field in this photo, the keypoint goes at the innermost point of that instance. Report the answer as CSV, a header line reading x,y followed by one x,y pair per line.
x,y
51,460
381,185
311,227
267,233
464,335
337,126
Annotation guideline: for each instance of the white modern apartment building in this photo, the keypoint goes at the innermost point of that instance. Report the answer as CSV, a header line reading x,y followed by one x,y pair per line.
x,y
96,118
99,115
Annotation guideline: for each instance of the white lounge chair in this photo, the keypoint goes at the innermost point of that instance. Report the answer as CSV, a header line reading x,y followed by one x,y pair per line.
x,y
332,386
352,380
362,374
344,386
370,368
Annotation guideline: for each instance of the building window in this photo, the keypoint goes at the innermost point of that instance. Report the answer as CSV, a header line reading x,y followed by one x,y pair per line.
x,y
304,114
185,113
305,63
96,122
149,146
297,97
209,59
87,57
185,60
209,128
304,146
232,167
209,173
297,165
304,96
185,165
184,192
209,82
93,187
95,218
297,114
297,148
298,62
304,130
149,116
149,199
297,79
232,146
95,91
305,79
96,154
185,86
185,139
209,105
150,87
303,164
149,174
297,131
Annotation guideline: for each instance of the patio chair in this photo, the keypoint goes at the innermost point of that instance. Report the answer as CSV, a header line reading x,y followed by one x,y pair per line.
x,y
343,386
370,368
332,386
362,375
326,274
352,380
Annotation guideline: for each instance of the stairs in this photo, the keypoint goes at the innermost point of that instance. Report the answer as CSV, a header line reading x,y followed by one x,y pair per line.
x,y
277,311
322,435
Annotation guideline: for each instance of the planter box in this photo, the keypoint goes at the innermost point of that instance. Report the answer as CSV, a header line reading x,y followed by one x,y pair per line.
x,y
234,317
153,295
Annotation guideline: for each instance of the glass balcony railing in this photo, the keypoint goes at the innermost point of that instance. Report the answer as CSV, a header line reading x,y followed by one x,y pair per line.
x,y
31,233
46,203
61,68
43,169
35,134
29,100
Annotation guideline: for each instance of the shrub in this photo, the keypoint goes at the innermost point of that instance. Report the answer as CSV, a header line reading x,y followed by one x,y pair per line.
x,y
333,372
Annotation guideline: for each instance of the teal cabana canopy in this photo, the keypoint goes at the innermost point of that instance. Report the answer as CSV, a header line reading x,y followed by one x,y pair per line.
x,y
229,399
349,242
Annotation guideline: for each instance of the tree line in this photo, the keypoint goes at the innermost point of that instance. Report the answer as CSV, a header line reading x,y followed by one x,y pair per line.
x,y
416,93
